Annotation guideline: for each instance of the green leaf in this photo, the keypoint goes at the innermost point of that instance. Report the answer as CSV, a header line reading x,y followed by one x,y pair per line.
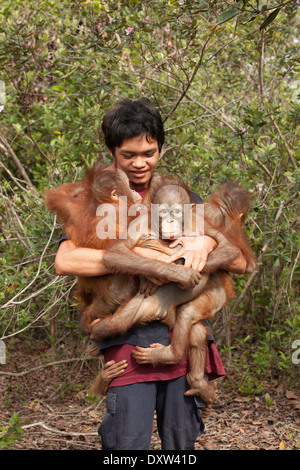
x,y
270,18
227,15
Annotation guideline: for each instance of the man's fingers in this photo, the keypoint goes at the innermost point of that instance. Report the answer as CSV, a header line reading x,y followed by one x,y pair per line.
x,y
175,243
201,264
108,364
198,264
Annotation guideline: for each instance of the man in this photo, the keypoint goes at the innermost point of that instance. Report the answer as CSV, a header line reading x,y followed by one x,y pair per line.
x,y
134,136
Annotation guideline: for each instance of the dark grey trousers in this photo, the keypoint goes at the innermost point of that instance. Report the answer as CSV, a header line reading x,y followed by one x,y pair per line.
x,y
128,422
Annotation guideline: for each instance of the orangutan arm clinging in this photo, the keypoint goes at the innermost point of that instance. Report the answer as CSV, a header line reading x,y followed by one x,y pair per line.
x,y
120,258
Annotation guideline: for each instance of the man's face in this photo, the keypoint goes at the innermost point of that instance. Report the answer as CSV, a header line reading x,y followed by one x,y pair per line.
x,y
138,158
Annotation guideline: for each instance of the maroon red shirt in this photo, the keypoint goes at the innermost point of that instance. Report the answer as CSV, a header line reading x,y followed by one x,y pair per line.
x,y
135,372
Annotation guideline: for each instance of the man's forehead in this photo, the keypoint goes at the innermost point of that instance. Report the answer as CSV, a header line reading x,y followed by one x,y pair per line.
x,y
138,140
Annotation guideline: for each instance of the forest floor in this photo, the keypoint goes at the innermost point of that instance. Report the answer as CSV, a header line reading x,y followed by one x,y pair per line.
x,y
56,413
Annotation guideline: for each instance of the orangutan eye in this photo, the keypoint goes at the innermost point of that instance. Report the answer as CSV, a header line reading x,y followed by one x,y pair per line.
x,y
163,212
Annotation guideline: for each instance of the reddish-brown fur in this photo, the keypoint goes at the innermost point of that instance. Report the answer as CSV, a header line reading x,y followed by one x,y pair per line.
x,y
75,205
184,311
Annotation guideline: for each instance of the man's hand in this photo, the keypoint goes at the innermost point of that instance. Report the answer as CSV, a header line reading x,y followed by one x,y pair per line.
x,y
110,371
150,254
195,251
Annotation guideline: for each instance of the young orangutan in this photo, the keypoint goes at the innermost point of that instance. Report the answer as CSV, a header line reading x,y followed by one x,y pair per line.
x,y
183,311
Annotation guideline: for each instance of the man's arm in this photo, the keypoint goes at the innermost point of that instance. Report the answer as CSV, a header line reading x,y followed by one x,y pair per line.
x,y
71,260
88,262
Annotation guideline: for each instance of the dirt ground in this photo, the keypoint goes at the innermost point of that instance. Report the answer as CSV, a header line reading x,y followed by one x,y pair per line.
x,y
56,413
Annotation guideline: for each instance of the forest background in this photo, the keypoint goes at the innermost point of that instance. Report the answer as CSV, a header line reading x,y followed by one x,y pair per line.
x,y
225,76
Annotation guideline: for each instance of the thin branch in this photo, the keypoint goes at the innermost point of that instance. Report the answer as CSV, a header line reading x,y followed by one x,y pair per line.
x,y
262,97
64,433
12,301
186,88
284,141
34,294
10,151
293,269
206,108
41,314
9,172
262,165
261,65
49,364
260,257
193,121
215,114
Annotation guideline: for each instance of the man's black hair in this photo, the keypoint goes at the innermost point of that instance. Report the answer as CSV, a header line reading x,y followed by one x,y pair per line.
x,y
128,119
